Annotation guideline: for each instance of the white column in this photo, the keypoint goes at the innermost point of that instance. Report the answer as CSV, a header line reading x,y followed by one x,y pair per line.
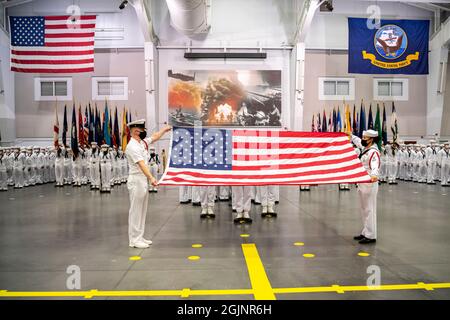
x,y
7,94
298,104
150,90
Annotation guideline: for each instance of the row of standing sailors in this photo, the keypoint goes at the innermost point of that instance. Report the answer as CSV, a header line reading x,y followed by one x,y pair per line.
x,y
241,199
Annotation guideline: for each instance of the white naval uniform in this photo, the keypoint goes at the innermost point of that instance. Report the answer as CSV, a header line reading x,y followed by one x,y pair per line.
x,y
207,196
267,195
105,171
444,160
3,174
59,167
19,162
137,185
242,199
94,166
370,159
185,193
431,157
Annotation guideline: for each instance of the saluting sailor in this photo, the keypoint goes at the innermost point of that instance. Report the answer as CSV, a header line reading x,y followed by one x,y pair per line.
x,y
138,177
370,158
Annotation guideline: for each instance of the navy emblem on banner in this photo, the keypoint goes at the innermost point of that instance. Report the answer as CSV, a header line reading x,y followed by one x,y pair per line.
x,y
397,47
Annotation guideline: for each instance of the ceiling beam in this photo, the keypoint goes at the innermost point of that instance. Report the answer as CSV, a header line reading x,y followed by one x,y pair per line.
x,y
144,19
14,3
305,16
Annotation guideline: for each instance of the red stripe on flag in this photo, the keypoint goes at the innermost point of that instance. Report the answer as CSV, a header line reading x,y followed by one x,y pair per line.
x,y
330,180
283,145
69,26
295,165
69,44
51,53
287,134
50,62
75,70
251,157
70,35
265,176
89,17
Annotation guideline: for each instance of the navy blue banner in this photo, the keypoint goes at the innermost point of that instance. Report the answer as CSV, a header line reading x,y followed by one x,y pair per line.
x,y
397,47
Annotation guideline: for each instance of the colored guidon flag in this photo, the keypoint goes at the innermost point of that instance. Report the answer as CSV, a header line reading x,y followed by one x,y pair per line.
x,y
52,44
211,156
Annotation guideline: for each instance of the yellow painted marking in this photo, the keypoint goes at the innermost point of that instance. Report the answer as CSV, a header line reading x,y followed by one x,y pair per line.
x,y
194,258
197,245
262,290
363,254
299,244
233,292
135,258
309,255
245,235
185,293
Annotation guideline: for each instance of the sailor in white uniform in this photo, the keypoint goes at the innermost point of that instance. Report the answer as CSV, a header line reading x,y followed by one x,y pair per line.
x,y
370,158
138,178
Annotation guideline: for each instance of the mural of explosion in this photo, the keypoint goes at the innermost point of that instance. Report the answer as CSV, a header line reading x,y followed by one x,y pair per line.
x,y
225,98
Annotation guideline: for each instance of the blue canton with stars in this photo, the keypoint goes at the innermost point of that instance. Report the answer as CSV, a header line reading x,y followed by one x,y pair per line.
x,y
27,31
197,148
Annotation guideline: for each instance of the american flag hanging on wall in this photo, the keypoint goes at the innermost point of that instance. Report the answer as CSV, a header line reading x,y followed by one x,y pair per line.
x,y
52,44
213,156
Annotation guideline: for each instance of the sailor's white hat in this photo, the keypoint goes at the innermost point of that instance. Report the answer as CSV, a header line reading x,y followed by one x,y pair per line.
x,y
137,124
370,133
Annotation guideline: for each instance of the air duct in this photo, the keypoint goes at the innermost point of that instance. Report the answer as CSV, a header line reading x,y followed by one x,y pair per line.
x,y
189,16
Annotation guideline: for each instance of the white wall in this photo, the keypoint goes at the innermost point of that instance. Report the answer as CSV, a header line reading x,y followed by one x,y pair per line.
x,y
330,30
109,16
7,103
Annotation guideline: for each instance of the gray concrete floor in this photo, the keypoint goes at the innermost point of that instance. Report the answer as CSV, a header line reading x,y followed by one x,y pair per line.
x,y
44,229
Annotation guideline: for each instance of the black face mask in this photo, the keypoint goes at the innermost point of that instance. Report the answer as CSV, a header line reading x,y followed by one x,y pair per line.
x,y
143,135
364,143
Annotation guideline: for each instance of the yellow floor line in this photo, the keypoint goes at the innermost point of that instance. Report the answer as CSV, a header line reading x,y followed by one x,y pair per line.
x,y
262,290
257,291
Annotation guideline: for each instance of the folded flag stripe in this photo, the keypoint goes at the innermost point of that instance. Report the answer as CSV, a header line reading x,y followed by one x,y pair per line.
x,y
261,157
52,44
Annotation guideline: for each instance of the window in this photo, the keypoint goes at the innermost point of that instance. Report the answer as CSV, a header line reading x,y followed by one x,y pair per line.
x,y
390,89
51,89
111,88
336,89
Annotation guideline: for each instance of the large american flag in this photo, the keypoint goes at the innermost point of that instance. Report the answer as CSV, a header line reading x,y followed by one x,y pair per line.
x,y
212,156
52,44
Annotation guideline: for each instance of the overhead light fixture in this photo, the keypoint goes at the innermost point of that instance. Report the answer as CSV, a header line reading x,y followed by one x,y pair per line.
x,y
123,4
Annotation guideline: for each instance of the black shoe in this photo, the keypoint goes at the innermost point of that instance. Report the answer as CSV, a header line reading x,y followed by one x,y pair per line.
x,y
203,216
196,204
249,220
358,238
185,202
367,241
223,200
269,215
210,216
238,220
257,203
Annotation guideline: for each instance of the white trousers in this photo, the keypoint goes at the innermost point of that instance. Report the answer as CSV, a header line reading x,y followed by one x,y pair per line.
x,y
445,173
196,194
59,173
267,194
154,172
224,192
368,200
18,177
185,193
105,175
431,169
242,197
137,185
207,196
3,180
95,174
